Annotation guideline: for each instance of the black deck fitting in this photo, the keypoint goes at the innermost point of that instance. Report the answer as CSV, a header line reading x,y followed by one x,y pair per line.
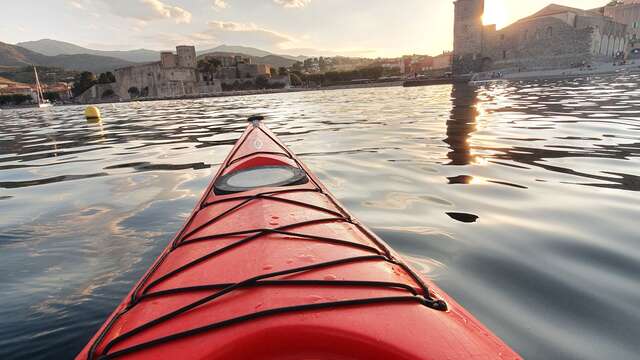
x,y
255,118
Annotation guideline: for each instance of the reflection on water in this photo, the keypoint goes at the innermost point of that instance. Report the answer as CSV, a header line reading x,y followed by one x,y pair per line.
x,y
461,124
519,199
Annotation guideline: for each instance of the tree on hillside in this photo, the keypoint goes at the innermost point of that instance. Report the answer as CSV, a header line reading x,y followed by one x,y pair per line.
x,y
262,82
83,82
106,78
295,79
15,99
52,96
208,67
283,71
19,99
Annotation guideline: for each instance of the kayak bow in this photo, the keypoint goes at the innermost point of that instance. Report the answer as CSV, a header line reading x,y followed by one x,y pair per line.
x,y
270,266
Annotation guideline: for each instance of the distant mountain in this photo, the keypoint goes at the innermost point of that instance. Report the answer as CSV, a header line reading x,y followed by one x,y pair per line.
x,y
276,60
11,55
273,60
249,51
4,81
237,49
15,56
54,47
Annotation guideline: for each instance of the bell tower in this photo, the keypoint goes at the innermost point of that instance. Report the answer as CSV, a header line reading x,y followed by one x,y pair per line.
x,y
467,35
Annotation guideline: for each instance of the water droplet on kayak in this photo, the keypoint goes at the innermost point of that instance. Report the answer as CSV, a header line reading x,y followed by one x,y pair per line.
x,y
314,298
267,267
330,277
307,258
258,306
290,261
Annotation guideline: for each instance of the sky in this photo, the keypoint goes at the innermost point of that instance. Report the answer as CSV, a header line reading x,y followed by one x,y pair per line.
x,y
368,28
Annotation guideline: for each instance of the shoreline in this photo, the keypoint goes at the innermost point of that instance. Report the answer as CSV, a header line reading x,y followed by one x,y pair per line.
x,y
260,92
231,94
561,74
602,69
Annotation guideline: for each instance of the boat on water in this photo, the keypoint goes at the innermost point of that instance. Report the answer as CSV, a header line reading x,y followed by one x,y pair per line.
x,y
41,102
271,266
480,79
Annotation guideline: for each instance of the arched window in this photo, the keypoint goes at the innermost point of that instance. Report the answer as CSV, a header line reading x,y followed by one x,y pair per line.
x,y
549,31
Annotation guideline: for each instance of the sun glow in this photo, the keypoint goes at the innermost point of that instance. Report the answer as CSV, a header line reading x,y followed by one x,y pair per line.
x,y
495,12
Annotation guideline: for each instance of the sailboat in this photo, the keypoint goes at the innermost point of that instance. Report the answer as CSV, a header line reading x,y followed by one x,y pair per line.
x,y
42,102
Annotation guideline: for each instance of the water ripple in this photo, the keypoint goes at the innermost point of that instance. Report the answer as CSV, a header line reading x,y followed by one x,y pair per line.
x,y
521,199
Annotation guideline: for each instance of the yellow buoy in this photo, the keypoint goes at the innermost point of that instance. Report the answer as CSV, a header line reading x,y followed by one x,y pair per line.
x,y
92,112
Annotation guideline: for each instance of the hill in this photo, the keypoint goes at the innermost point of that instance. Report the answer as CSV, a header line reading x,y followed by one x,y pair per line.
x,y
273,60
245,50
237,50
4,81
16,56
54,47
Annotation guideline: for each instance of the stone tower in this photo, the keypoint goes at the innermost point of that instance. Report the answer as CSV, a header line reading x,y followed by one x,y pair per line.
x,y
186,56
468,36
168,59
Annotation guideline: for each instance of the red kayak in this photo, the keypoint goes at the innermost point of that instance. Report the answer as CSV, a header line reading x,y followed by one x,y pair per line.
x,y
270,266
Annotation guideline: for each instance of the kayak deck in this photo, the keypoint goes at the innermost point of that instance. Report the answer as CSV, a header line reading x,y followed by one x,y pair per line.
x,y
284,272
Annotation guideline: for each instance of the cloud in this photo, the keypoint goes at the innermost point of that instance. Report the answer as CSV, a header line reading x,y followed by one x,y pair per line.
x,y
148,10
247,33
223,4
292,3
169,40
220,4
75,4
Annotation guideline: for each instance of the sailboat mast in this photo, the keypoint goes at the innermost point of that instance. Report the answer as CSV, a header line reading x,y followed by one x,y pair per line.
x,y
39,93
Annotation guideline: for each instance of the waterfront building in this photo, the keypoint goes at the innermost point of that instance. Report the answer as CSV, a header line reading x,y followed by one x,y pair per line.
x,y
238,67
237,72
442,61
174,75
8,87
625,12
415,64
555,37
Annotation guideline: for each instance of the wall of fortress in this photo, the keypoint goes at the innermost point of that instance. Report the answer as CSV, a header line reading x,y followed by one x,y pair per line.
x,y
555,37
552,43
156,81
544,43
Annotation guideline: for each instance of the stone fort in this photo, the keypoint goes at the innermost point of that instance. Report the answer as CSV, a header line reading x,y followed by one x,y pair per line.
x,y
553,38
174,75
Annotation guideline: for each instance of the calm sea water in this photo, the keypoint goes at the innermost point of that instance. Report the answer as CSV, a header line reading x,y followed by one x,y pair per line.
x,y
521,200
